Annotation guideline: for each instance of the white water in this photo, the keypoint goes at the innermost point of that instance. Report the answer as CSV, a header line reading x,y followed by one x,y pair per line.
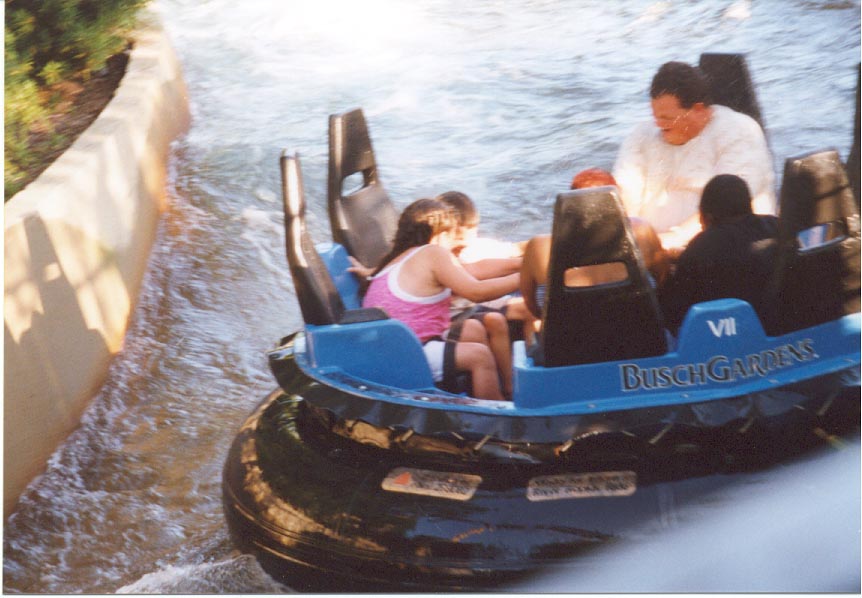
x,y
503,100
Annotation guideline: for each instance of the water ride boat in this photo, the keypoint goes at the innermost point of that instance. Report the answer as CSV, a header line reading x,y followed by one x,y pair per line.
x,y
359,474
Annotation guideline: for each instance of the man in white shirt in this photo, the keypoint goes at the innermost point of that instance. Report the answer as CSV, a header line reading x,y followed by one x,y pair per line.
x,y
663,166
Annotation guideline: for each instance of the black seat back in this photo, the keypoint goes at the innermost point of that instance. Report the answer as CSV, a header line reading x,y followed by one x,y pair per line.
x,y
730,83
318,298
853,164
364,221
821,281
588,324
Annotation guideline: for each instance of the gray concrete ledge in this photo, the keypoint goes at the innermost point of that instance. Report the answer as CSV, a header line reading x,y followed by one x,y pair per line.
x,y
77,241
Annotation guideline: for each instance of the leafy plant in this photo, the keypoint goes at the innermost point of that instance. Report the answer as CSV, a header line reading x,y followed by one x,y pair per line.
x,y
48,42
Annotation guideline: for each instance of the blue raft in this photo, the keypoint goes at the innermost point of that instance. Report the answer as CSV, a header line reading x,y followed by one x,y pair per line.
x,y
359,474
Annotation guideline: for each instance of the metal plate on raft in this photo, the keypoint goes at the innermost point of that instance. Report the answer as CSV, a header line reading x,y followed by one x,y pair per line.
x,y
582,485
454,486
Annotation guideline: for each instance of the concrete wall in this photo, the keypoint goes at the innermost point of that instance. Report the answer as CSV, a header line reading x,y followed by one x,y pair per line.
x,y
77,241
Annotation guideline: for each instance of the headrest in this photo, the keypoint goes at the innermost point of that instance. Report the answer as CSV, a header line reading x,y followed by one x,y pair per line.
x,y
590,222
350,148
318,298
364,220
730,83
599,305
815,190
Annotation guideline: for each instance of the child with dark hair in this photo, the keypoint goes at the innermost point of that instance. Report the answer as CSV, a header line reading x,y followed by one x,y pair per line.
x,y
414,283
483,256
733,256
486,258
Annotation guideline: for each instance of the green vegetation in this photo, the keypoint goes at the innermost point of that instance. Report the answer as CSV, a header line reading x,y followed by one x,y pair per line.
x,y
52,47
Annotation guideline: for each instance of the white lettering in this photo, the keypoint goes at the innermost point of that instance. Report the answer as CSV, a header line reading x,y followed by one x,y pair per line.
x,y
719,368
725,327
716,331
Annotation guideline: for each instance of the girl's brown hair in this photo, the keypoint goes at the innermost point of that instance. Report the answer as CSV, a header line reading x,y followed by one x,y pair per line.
x,y
420,222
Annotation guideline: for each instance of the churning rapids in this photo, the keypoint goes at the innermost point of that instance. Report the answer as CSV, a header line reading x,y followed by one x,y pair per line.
x,y
502,100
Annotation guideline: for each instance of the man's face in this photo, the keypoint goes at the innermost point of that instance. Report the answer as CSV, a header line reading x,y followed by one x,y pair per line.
x,y
677,124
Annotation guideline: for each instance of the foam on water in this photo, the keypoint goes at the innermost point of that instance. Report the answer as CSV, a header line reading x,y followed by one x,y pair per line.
x,y
236,575
741,9
260,228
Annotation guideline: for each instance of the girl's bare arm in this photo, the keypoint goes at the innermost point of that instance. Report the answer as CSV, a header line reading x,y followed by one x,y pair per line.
x,y
451,274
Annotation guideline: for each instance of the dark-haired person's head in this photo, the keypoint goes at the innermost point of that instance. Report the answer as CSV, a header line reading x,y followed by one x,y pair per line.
x,y
683,81
680,101
725,197
466,218
462,206
419,223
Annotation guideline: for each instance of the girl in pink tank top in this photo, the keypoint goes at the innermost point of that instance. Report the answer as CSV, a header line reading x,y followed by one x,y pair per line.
x,y
414,283
428,317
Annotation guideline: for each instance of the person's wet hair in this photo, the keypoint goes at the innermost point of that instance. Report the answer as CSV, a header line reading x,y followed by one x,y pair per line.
x,y
465,210
683,81
725,196
418,224
592,177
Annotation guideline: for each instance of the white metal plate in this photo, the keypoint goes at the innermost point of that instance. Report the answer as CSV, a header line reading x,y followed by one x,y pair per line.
x,y
454,486
582,485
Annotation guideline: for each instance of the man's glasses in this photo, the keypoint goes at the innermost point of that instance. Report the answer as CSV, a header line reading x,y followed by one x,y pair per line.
x,y
672,121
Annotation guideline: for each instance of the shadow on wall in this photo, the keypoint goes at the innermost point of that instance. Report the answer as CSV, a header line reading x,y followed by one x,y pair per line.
x,y
77,244
49,356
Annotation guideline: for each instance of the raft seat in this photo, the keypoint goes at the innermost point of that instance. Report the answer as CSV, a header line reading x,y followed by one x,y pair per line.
x,y
817,272
335,258
852,164
364,221
384,352
730,83
361,342
617,319
319,299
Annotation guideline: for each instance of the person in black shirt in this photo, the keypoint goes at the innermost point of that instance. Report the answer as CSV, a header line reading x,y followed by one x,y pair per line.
x,y
733,256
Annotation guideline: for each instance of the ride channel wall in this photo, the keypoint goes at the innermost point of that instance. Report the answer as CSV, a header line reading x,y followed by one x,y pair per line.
x,y
77,243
